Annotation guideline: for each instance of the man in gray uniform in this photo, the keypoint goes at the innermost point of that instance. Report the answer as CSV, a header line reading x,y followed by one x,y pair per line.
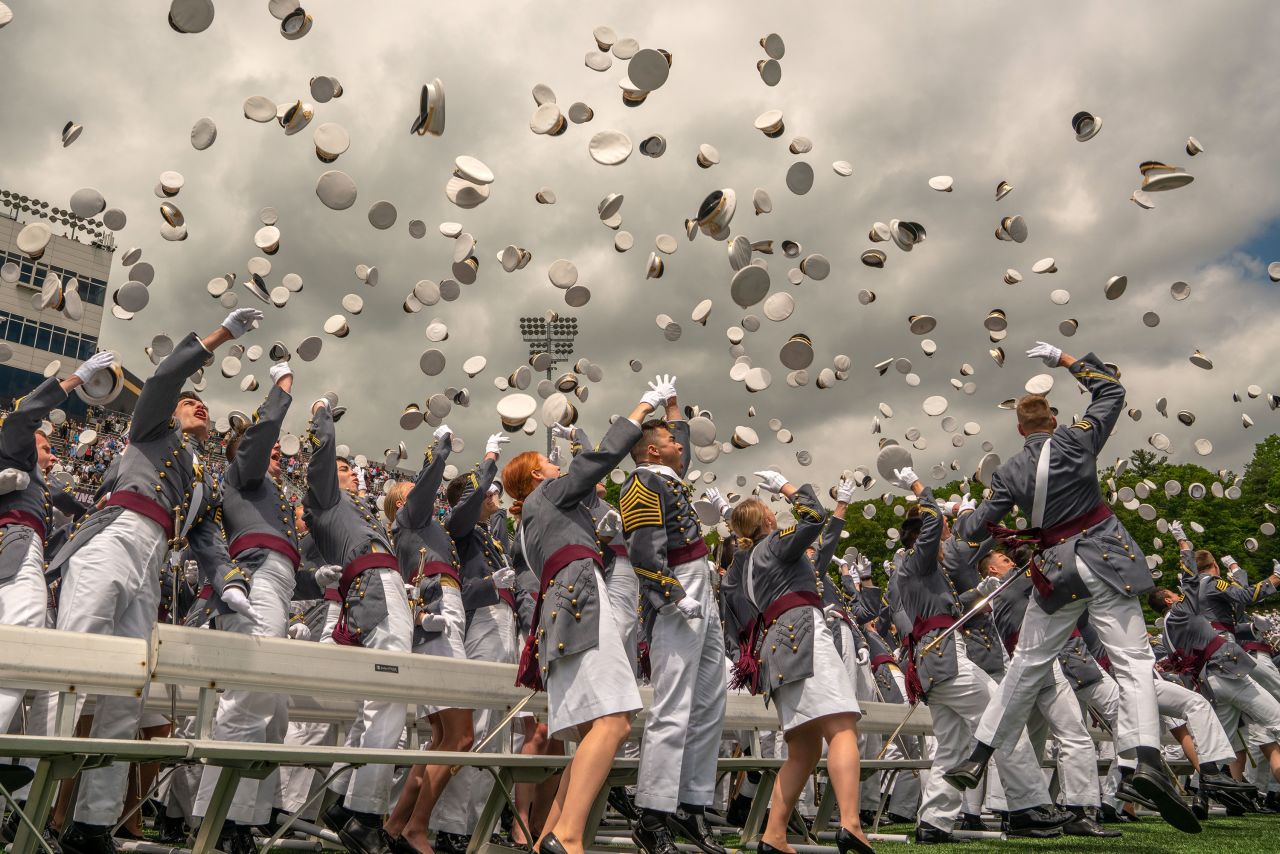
x,y
956,690
262,533
110,567
26,516
375,615
1088,561
686,648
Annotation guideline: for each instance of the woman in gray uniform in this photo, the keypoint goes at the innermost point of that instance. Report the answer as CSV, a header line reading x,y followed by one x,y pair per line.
x,y
574,648
791,658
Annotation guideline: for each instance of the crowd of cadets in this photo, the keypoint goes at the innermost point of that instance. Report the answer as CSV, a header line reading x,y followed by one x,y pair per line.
x,y
1017,641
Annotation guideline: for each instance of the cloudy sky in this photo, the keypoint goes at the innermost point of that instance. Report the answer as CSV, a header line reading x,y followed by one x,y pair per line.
x,y
983,92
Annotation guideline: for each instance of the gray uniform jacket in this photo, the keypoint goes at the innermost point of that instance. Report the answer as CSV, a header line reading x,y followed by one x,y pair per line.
x,y
427,555
481,555
833,600
25,514
960,563
926,594
780,573
256,514
1222,599
1073,492
156,473
558,541
871,606
1200,649
599,508
661,528
345,531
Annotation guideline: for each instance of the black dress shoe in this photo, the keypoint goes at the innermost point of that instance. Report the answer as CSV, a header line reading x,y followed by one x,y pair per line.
x,y
88,839
1038,822
451,843
927,834
653,836
336,816
1200,806
737,812
765,848
969,821
361,838
847,842
551,845
1111,815
1154,784
894,818
693,827
1223,781
237,839
1083,825
1126,792
172,829
967,775
622,803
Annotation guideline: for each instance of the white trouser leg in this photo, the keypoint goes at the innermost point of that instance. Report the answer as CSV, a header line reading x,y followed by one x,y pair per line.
x,y
1234,697
297,784
954,704
491,636
1077,757
623,588
682,734
1266,674
23,602
1211,739
248,716
111,586
380,723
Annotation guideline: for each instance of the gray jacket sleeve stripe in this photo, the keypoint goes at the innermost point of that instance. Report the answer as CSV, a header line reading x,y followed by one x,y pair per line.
x,y
585,471
254,454
420,503
322,470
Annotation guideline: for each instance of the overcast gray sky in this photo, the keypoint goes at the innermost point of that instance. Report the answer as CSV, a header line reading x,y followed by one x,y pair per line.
x,y
979,91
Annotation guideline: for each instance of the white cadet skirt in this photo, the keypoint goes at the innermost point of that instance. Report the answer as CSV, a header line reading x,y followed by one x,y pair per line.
x,y
450,643
829,691
593,683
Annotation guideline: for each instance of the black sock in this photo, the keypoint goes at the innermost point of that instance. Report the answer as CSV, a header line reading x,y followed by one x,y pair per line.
x,y
689,809
368,819
653,818
981,753
1210,768
1149,756
1079,811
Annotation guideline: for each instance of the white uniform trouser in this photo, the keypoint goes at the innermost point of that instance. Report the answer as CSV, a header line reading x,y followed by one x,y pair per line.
x,y
252,716
682,734
298,784
1266,674
1119,622
623,587
491,636
23,602
184,781
378,724
111,586
954,704
1059,716
1238,696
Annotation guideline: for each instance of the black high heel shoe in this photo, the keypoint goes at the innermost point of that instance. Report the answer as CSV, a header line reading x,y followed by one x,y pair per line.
x,y
551,845
765,848
846,842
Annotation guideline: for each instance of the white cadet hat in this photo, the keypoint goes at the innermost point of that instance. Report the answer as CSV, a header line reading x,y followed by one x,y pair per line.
x,y
336,190
708,155
515,409
104,386
190,16
800,177
648,69
430,118
1086,125
33,239
332,140
1157,176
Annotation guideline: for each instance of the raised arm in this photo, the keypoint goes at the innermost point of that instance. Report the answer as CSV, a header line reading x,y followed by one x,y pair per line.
x,y
585,470
466,513
420,503
972,524
923,558
253,457
18,433
810,515
323,491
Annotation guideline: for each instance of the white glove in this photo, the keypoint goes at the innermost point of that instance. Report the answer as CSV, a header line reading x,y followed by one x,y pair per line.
x,y
653,398
505,579
1227,560
327,576
562,432
905,477
96,362
864,569
360,481
844,490
863,655
1179,533
14,480
235,599
1047,353
191,572
493,489
949,508
433,623
772,481
554,456
442,431
830,612
842,565
966,503
665,385
888,567
988,585
299,631
717,501
279,370
691,608
241,320
1275,566
609,526
495,443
